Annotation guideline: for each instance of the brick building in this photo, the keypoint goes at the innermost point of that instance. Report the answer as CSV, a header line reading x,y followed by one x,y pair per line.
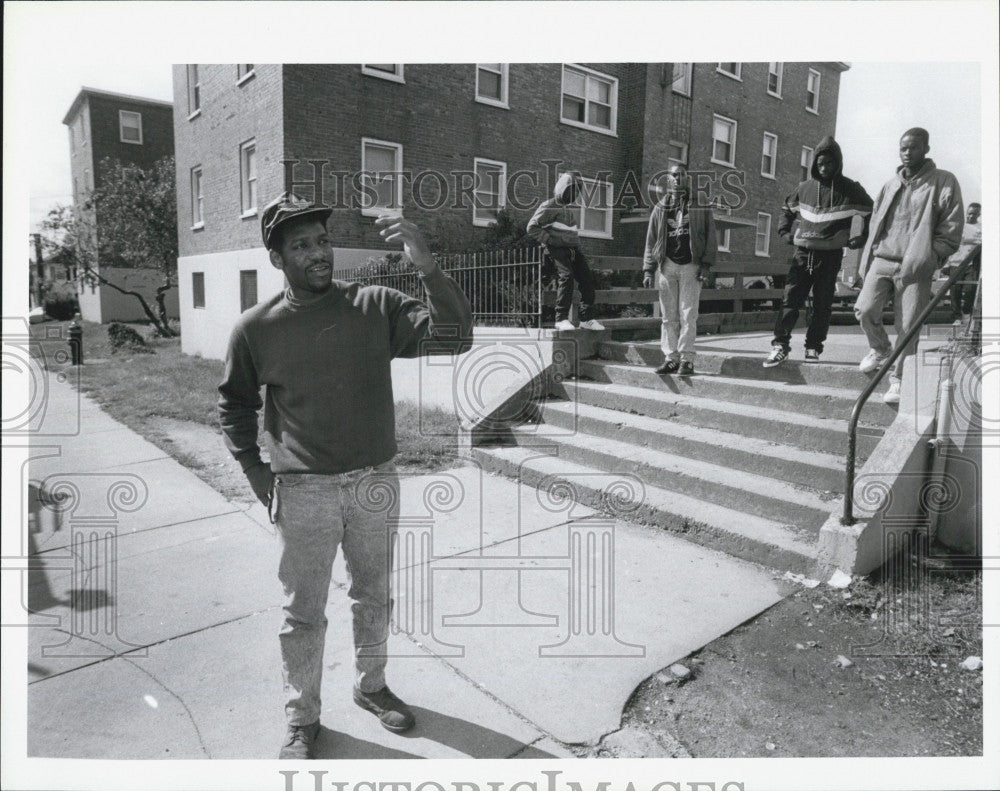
x,y
132,130
459,141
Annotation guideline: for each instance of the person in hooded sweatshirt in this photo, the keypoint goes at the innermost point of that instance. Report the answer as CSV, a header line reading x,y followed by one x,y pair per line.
x,y
823,206
553,225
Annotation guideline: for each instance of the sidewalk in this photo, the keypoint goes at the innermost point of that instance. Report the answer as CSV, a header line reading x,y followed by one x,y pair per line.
x,y
156,610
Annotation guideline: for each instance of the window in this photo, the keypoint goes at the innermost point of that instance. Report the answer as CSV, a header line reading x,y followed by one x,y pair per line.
x,y
386,71
491,83
381,166
682,79
244,72
805,161
723,140
677,152
130,127
198,289
589,99
490,190
762,242
730,70
248,178
197,199
248,289
593,208
194,90
723,236
775,71
812,91
769,155
81,128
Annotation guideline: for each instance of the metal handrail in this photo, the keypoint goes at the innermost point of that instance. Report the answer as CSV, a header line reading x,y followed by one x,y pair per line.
x,y
901,344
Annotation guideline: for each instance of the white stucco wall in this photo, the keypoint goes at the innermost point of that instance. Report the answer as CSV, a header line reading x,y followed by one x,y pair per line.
x,y
104,304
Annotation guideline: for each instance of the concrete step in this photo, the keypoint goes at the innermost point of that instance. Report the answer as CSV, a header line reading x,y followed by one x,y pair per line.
x,y
749,366
823,434
739,534
748,492
814,400
820,471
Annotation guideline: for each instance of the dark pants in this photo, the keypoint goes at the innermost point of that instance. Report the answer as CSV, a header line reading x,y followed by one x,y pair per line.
x,y
572,265
814,270
963,297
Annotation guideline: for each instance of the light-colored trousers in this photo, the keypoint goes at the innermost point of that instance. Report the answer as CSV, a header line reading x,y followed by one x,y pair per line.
x,y
882,283
680,291
315,514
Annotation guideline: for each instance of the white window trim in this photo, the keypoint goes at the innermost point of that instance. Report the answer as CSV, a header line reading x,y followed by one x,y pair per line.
x,y
192,114
738,76
767,238
384,75
736,128
781,79
375,211
808,163
245,178
504,88
687,83
607,233
774,156
613,131
819,82
684,146
121,127
246,77
723,247
502,187
198,224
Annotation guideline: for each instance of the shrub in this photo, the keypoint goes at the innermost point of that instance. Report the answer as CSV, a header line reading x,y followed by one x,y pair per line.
x,y
60,305
124,337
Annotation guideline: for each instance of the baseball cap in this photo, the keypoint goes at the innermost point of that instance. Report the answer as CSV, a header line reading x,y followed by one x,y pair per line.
x,y
285,207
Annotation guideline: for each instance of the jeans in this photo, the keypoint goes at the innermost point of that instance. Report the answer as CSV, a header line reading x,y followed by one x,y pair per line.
x,y
680,291
882,282
963,297
315,514
571,264
814,270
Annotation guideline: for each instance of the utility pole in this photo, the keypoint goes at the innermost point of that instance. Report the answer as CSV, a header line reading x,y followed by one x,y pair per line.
x,y
36,239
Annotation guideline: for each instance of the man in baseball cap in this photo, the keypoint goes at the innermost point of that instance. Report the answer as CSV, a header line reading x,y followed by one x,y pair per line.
x,y
321,350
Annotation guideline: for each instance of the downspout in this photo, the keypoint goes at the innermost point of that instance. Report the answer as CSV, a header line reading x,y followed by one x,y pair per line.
x,y
942,434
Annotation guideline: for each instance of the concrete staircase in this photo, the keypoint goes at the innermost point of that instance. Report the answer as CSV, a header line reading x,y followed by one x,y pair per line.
x,y
741,458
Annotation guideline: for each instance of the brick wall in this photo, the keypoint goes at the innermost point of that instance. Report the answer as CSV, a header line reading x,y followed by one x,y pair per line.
x,y
157,132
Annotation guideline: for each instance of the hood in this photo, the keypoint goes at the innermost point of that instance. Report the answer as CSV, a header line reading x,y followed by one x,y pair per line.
x,y
827,146
563,183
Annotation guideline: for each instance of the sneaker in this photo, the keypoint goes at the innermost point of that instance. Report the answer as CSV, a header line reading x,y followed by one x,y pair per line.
x,y
565,325
687,368
812,356
591,324
394,715
872,362
777,356
300,742
669,367
892,394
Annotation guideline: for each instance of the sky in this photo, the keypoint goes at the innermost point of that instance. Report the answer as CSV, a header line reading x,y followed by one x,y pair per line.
x,y
877,102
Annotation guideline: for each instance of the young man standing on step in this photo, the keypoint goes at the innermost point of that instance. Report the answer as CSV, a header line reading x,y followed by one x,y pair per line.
x,y
823,206
322,350
917,223
680,251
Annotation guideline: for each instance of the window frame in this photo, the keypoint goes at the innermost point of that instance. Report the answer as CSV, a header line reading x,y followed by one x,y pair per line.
x,y
247,210
806,166
683,146
780,74
198,289
375,211
396,76
197,198
688,75
774,155
737,75
767,237
810,94
723,235
612,129
735,128
244,289
501,189
193,91
504,100
121,127
608,231
246,76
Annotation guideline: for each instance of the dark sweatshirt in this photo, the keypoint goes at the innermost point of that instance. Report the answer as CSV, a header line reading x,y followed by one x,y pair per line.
x,y
824,209
554,222
325,367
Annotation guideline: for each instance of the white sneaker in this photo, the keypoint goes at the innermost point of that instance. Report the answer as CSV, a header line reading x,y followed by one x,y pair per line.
x,y
872,362
591,324
565,325
892,394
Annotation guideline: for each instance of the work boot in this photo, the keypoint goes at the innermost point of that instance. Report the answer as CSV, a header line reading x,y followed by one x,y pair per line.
x,y
300,742
394,715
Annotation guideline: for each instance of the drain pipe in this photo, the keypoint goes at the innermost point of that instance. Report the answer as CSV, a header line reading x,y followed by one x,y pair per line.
x,y
942,434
